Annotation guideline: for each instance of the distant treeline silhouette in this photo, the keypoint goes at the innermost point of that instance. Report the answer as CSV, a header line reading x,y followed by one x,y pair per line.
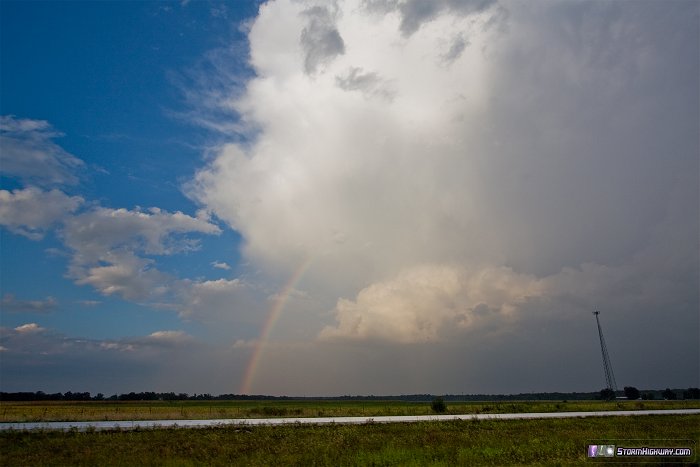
x,y
690,393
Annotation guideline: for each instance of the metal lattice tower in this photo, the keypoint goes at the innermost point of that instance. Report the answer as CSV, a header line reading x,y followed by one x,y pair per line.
x,y
607,366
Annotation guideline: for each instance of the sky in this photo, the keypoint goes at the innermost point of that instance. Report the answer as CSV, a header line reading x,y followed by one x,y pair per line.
x,y
361,197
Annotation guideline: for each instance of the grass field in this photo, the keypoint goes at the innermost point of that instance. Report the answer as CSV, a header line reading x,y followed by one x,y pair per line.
x,y
486,442
162,410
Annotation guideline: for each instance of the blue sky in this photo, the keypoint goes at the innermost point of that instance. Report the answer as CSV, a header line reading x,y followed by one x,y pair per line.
x,y
106,76
310,198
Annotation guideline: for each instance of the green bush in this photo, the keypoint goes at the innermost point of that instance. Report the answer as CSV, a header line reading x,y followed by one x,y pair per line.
x,y
438,405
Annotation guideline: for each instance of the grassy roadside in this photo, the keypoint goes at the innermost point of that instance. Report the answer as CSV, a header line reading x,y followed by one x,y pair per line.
x,y
469,442
164,410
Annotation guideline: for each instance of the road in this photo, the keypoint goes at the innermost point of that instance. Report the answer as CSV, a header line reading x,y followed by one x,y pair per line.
x,y
146,424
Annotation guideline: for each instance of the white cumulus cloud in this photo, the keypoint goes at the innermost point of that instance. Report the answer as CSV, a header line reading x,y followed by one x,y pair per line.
x,y
426,303
220,265
170,337
31,211
108,248
29,153
29,328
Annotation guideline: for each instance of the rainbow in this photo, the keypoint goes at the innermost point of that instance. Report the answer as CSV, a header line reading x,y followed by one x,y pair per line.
x,y
273,315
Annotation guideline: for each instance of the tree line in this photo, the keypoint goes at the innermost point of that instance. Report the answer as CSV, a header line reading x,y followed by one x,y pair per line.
x,y
629,392
632,393
132,396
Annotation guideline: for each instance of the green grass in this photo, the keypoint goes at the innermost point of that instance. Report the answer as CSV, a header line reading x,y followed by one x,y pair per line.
x,y
164,410
469,442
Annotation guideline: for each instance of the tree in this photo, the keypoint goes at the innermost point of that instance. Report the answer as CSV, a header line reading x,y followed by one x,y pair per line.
x,y
631,393
438,405
668,394
607,394
691,393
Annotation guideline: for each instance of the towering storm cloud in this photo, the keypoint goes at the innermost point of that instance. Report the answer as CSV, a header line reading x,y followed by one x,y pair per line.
x,y
452,163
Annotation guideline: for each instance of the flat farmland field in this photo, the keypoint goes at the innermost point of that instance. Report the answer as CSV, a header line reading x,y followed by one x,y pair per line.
x,y
465,442
179,410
